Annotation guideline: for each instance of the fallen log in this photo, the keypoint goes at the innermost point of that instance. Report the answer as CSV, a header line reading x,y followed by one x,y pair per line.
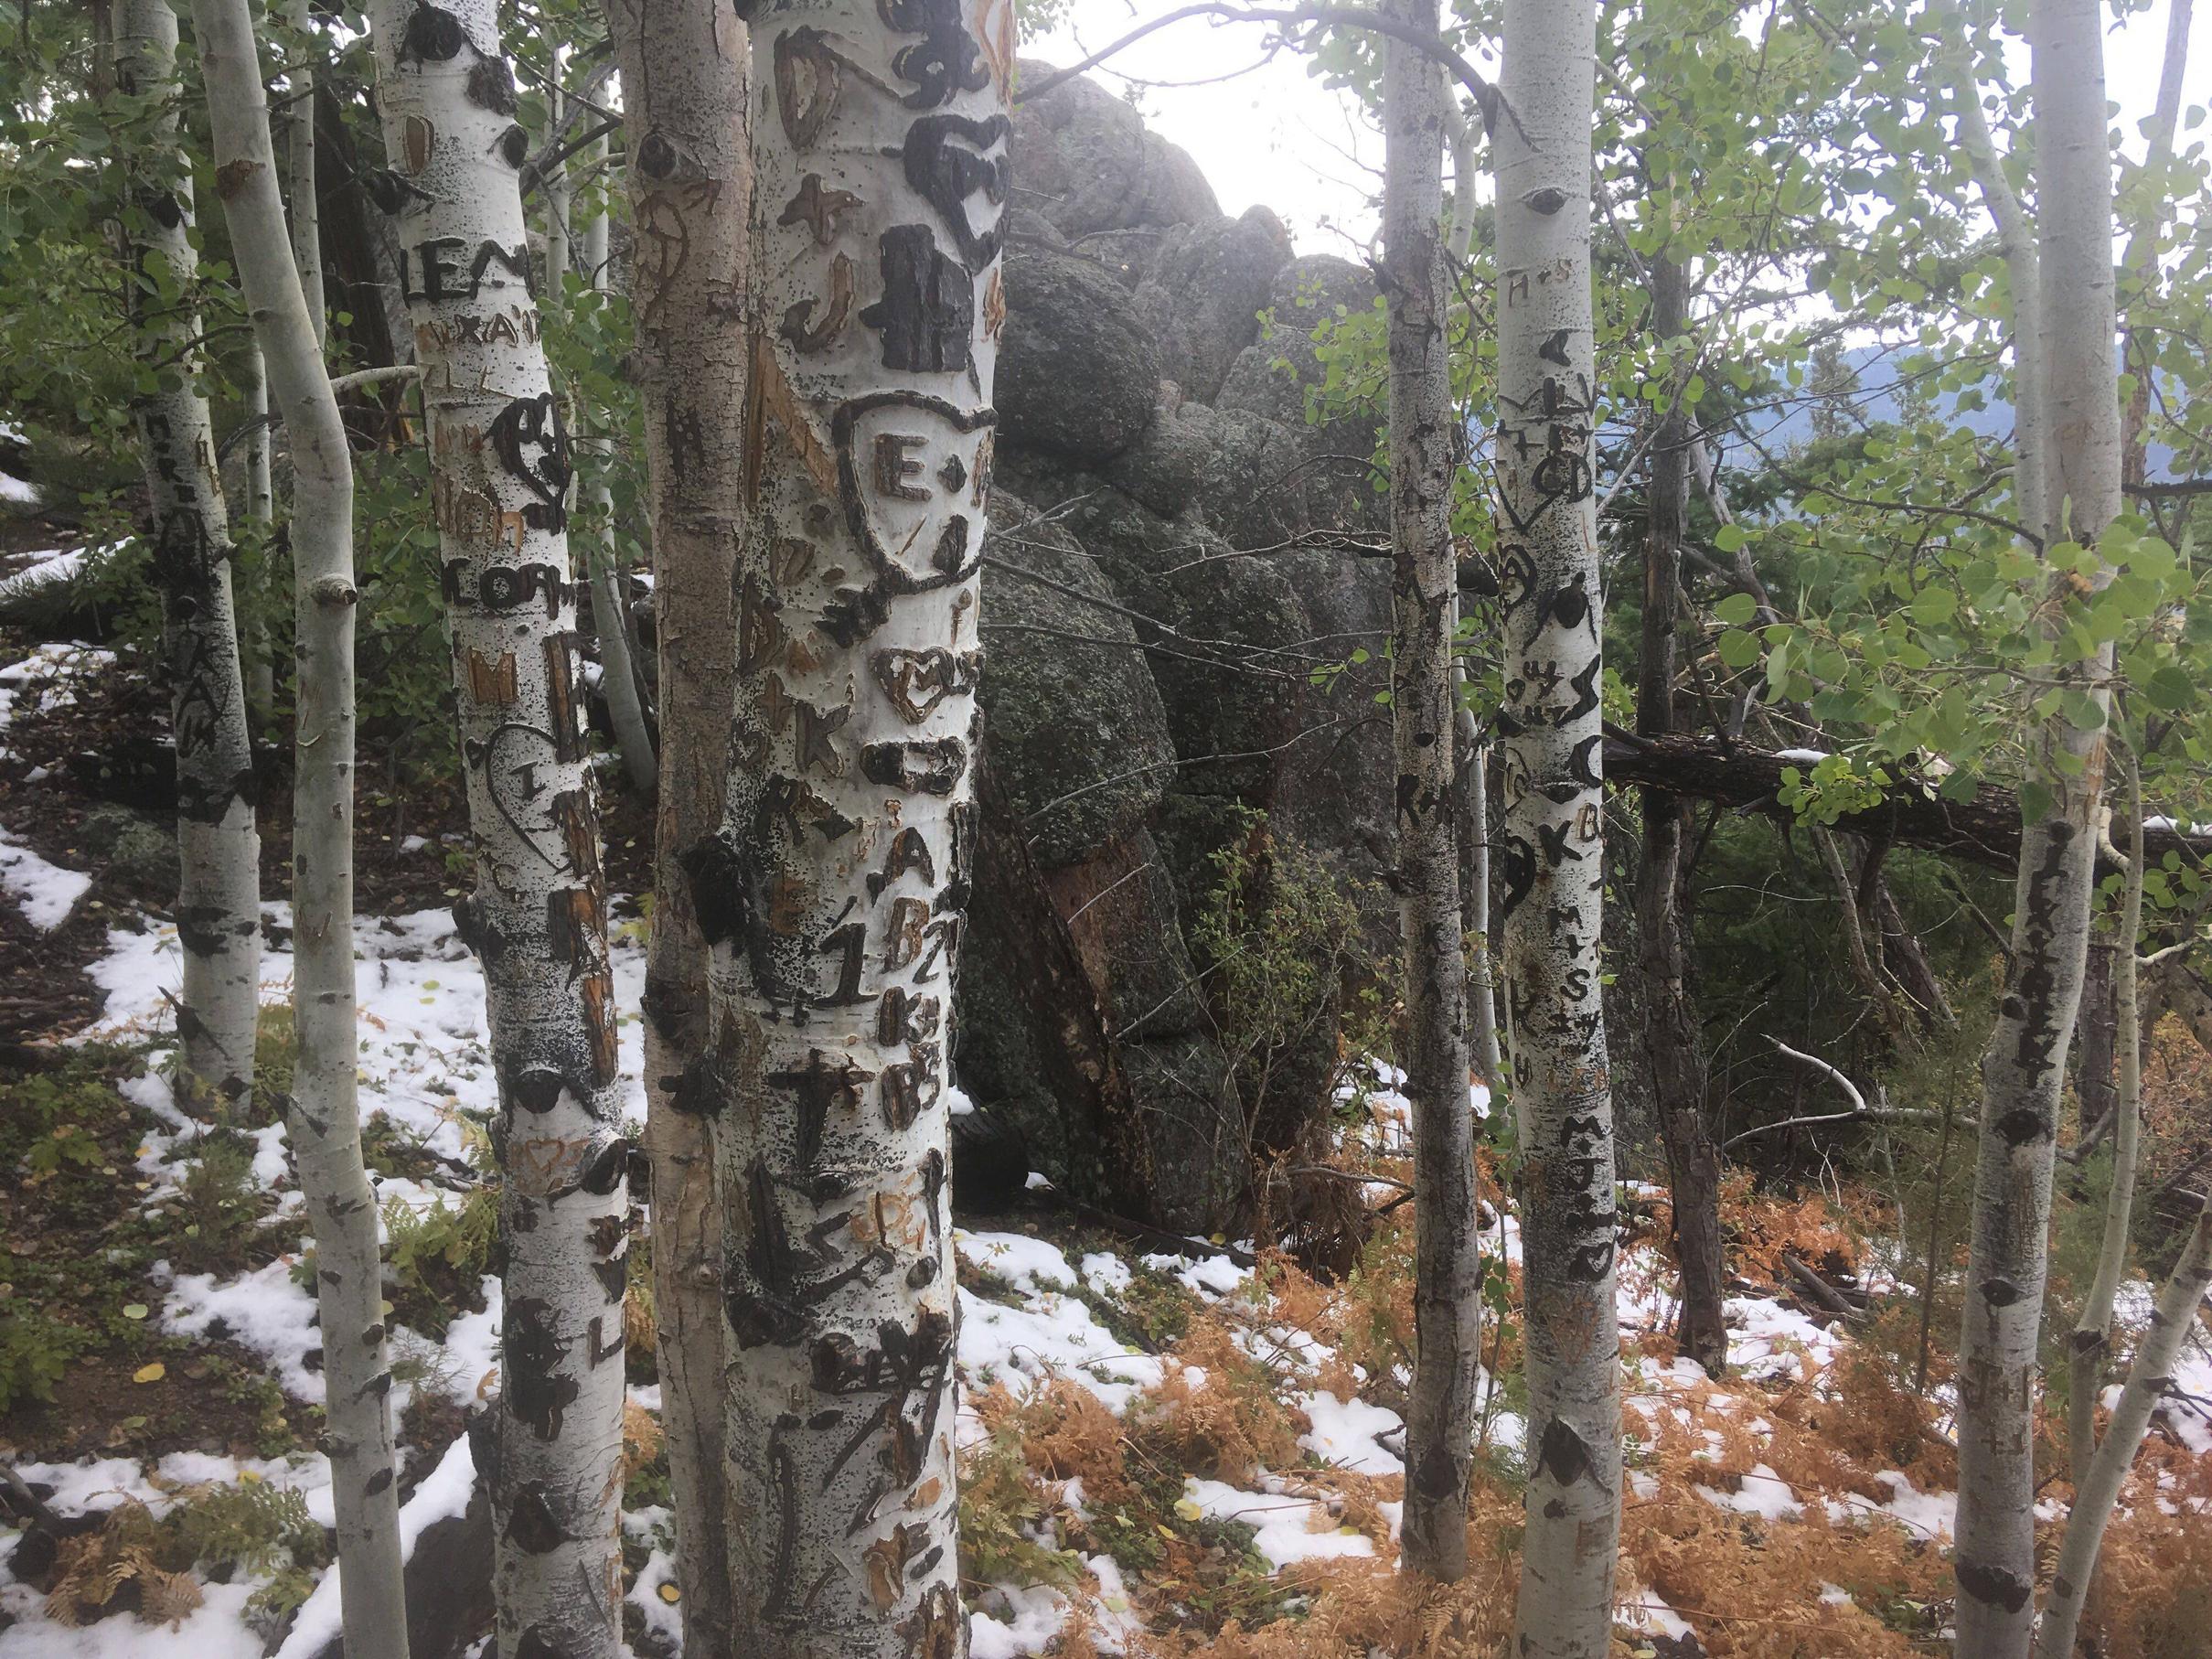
x,y
1984,831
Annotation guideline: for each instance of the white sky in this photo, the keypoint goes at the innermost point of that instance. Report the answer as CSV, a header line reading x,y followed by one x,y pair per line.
x,y
1277,137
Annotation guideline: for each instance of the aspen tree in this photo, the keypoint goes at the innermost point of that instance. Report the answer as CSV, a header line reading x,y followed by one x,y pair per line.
x,y
834,895
1552,849
688,174
1424,453
323,1123
537,918
2025,1065
188,535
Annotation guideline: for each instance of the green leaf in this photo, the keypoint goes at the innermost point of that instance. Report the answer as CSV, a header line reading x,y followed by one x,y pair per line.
x,y
1728,538
1736,610
1934,607
1738,649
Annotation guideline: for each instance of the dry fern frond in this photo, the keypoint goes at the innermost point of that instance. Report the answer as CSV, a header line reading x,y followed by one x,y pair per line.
x,y
94,1570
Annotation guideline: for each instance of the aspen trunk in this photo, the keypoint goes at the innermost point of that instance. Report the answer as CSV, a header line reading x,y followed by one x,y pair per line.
x,y
1425,444
2092,1330
2025,1065
500,473
834,895
1552,845
218,918
610,608
303,203
1673,1038
2096,1490
260,511
683,79
323,1123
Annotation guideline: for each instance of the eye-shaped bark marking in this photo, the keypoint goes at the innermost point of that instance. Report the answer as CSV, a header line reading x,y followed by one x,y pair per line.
x,y
529,1343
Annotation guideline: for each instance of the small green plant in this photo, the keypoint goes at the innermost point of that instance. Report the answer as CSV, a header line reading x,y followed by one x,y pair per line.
x,y
438,1254
276,1050
35,1350
256,1528
218,1205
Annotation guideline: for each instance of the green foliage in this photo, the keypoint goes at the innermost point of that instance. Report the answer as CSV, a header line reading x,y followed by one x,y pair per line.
x,y
1003,1516
220,1205
36,1348
439,1254
256,1528
1280,934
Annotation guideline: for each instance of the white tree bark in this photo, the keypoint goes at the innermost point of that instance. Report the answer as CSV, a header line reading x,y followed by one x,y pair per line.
x,y
689,171
835,895
500,473
2025,1065
610,606
188,533
2016,244
2092,1329
2173,1322
260,510
324,1123
1552,842
305,203
1425,443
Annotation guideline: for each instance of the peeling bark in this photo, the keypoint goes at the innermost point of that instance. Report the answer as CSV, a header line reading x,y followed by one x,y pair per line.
x,y
2025,1065
1425,442
1552,847
537,918
834,896
188,535
324,1121
688,172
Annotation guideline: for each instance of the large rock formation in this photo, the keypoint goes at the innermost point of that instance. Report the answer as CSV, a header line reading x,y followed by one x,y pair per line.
x,y
1176,553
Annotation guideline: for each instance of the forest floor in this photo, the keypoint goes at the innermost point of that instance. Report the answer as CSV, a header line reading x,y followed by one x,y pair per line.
x,y
1167,1451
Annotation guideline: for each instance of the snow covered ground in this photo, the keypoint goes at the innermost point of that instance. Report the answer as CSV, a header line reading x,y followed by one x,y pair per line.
x,y
424,1069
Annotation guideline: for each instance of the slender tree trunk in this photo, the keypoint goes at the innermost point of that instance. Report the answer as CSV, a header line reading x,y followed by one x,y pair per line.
x,y
2140,263
2025,1065
1424,453
610,602
1554,840
500,474
834,895
2096,1490
683,80
219,896
260,511
2092,1330
303,201
323,1123
2099,1035
1673,1037
1471,747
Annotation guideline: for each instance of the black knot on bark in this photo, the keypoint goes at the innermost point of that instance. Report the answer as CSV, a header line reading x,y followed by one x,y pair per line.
x,y
434,35
2000,1293
656,157
1993,1585
514,146
491,86
1564,1455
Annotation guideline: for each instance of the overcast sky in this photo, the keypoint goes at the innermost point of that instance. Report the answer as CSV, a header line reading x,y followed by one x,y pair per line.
x,y
1276,137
